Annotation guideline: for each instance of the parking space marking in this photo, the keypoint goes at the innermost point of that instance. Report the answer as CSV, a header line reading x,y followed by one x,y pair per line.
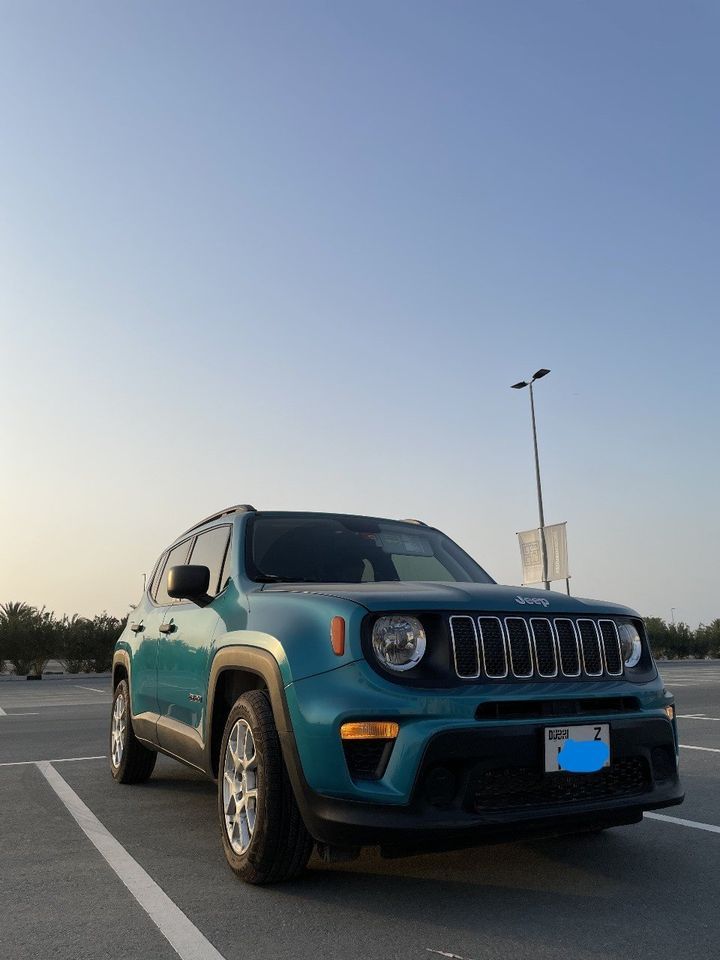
x,y
695,716
709,827
444,953
27,763
2,712
182,935
61,703
686,746
94,689
8,715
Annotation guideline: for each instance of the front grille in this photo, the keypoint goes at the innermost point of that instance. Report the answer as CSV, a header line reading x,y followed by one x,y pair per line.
x,y
519,645
465,647
492,641
568,647
547,709
512,787
590,644
611,647
527,648
544,643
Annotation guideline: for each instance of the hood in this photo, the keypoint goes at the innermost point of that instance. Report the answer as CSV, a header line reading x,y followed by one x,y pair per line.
x,y
487,597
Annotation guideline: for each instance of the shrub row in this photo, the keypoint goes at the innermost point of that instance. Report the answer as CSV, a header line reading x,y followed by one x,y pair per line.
x,y
677,640
29,638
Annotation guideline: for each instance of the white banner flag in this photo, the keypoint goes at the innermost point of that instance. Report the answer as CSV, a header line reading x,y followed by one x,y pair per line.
x,y
532,554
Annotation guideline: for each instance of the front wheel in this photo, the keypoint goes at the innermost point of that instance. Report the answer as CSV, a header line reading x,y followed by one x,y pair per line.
x,y
130,761
263,834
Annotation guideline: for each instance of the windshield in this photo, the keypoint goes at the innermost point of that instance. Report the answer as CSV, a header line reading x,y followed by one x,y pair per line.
x,y
331,548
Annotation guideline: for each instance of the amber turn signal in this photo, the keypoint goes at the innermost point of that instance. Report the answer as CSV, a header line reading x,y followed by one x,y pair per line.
x,y
670,711
369,730
337,635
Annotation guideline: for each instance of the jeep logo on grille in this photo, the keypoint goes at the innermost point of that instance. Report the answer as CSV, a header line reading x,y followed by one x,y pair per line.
x,y
538,600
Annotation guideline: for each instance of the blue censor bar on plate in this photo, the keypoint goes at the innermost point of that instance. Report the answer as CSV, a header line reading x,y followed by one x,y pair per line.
x,y
583,756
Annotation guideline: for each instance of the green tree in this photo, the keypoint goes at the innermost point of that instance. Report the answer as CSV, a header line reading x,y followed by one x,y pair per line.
x,y
76,642
43,644
105,631
657,631
707,639
16,625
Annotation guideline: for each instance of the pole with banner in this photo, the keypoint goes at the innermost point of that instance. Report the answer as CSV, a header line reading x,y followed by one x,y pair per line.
x,y
544,555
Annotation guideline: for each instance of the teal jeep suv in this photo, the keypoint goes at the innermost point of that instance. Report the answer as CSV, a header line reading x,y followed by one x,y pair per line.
x,y
353,681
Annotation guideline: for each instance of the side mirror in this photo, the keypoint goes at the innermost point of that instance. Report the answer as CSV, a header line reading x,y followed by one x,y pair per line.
x,y
189,582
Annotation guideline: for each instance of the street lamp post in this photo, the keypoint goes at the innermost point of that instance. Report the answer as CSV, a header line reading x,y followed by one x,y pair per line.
x,y
519,386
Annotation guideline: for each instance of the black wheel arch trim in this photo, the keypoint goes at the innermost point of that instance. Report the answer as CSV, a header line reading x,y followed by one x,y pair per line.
x,y
264,665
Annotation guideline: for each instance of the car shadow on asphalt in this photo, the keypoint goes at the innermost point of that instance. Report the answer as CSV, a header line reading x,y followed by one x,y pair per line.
x,y
569,892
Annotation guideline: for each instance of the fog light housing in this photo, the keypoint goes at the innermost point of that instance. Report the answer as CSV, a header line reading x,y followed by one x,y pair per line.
x,y
670,712
367,745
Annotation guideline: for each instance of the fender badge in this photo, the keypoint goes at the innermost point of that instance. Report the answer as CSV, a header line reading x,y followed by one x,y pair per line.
x,y
195,697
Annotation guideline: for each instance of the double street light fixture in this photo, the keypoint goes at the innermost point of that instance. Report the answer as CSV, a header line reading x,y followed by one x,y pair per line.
x,y
538,375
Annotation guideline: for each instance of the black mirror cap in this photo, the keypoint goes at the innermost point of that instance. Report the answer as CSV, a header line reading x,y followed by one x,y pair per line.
x,y
189,582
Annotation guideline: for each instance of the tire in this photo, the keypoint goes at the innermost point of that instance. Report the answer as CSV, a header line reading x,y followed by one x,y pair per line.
x,y
263,834
130,761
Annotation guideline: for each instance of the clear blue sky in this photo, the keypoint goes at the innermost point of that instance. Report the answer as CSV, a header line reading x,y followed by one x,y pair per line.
x,y
296,253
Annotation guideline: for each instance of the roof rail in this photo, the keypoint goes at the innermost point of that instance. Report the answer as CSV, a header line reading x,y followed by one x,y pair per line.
x,y
238,508
412,520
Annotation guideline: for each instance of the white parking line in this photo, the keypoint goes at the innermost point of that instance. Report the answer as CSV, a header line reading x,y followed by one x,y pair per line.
x,y
27,763
444,953
182,935
59,703
94,689
710,827
686,746
695,716
9,715
2,712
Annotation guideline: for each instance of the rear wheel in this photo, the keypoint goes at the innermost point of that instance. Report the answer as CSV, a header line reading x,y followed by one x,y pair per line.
x,y
130,761
263,834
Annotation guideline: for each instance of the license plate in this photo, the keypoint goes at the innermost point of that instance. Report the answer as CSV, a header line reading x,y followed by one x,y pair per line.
x,y
557,737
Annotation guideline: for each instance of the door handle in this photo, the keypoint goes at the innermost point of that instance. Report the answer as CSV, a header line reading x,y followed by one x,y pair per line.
x,y
137,627
167,628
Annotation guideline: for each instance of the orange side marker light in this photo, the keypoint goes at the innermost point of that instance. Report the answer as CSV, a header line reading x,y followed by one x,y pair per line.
x,y
337,635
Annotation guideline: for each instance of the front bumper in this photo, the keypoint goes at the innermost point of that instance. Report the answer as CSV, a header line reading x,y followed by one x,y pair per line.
x,y
317,706
486,784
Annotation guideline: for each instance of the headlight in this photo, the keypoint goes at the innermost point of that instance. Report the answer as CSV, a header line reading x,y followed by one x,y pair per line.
x,y
398,642
630,643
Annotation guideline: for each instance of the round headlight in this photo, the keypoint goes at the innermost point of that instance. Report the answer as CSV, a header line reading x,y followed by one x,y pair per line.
x,y
630,643
398,642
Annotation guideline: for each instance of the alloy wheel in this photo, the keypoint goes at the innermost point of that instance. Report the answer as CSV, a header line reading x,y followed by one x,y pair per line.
x,y
119,722
240,786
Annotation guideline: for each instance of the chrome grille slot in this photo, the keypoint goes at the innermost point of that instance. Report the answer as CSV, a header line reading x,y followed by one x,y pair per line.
x,y
465,647
492,641
519,646
568,647
544,644
590,644
611,647
534,647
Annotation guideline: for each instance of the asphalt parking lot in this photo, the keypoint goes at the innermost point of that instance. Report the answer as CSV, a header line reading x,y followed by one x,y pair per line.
x,y
648,890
